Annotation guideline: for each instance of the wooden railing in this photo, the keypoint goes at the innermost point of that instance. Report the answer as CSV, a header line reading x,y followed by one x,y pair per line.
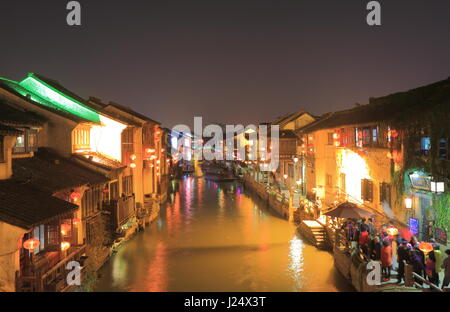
x,y
55,278
424,281
125,209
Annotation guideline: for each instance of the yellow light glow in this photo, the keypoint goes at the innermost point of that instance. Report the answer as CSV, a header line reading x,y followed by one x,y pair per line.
x,y
355,169
65,245
392,231
408,202
133,165
107,138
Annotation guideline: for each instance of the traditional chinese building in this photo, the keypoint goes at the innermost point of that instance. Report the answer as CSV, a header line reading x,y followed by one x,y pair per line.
x,y
390,156
144,154
37,229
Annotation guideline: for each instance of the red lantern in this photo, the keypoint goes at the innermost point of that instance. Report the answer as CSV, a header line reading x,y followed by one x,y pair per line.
x,y
75,196
65,228
31,244
392,133
76,221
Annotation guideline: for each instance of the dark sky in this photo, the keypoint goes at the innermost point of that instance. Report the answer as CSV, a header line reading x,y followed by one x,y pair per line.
x,y
226,60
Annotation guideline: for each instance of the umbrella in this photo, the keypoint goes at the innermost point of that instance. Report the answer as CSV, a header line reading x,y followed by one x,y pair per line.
x,y
406,234
426,247
348,210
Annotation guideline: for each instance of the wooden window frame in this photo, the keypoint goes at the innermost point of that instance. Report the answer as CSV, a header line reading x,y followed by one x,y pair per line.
x,y
367,190
385,193
2,149
81,139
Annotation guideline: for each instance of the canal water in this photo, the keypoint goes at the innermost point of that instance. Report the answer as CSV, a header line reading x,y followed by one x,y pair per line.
x,y
218,237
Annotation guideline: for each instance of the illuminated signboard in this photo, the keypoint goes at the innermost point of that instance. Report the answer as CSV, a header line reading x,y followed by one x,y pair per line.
x,y
420,182
414,226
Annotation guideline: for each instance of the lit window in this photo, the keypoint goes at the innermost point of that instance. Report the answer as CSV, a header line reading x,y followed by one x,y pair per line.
x,y
366,136
330,138
385,192
425,146
367,190
443,149
81,139
374,135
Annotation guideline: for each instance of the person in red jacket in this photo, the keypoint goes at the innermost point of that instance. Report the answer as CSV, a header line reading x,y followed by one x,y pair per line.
x,y
364,242
386,260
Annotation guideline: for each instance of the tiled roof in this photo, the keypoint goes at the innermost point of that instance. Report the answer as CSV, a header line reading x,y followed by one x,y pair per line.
x,y
97,104
15,116
282,120
132,112
50,173
99,160
10,131
287,134
26,207
55,84
14,88
401,107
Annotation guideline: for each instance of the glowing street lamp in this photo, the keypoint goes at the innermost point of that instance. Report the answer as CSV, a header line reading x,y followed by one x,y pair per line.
x,y
408,202
437,187
295,159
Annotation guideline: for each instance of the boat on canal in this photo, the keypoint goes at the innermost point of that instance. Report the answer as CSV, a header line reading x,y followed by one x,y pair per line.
x,y
216,173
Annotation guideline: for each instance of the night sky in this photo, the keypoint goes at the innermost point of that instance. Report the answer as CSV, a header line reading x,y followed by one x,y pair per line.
x,y
226,60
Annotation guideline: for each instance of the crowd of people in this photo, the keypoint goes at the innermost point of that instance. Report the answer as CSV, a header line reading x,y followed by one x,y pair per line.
x,y
377,245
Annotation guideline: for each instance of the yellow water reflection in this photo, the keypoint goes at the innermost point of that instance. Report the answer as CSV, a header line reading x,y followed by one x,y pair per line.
x,y
218,237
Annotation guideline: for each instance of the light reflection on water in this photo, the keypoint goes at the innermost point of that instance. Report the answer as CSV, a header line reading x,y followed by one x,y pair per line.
x,y
218,237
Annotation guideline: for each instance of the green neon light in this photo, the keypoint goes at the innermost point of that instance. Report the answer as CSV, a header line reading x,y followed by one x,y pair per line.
x,y
28,94
62,101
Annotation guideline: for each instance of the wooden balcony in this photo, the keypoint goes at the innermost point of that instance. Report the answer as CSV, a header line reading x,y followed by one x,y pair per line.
x,y
48,272
150,205
122,210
